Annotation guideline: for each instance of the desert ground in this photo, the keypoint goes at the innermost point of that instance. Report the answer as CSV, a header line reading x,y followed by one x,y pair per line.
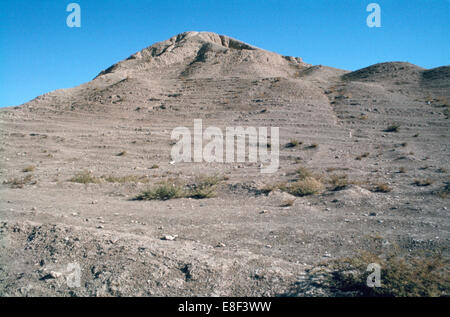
x,y
87,178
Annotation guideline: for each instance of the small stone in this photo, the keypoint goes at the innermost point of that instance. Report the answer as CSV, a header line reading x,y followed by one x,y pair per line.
x,y
33,209
100,227
169,237
264,212
220,245
373,214
54,274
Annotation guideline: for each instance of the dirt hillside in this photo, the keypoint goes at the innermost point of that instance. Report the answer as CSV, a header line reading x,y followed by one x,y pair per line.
x,y
364,168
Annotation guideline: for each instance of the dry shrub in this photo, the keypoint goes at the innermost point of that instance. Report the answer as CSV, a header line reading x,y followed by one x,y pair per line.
x,y
339,182
162,191
29,168
423,182
392,128
85,177
400,277
303,172
293,143
382,188
21,182
304,187
204,187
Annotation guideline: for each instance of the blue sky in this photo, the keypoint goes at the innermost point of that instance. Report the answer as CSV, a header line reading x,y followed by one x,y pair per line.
x,y
39,53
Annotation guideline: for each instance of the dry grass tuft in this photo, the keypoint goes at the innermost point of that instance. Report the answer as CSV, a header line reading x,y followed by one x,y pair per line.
x,y
29,168
293,143
313,146
304,187
392,128
17,183
423,182
339,182
364,155
85,177
382,188
303,172
204,187
400,277
162,191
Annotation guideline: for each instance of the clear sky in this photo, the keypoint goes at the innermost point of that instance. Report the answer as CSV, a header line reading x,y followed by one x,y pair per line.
x,y
40,53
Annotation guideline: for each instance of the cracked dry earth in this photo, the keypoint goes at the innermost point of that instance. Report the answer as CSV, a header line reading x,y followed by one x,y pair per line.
x,y
246,241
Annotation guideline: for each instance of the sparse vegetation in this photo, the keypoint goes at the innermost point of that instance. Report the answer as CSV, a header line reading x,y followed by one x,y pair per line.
x,y
85,177
154,166
313,146
204,187
382,188
364,155
162,191
29,168
392,128
423,182
303,172
293,143
21,182
339,182
303,187
401,277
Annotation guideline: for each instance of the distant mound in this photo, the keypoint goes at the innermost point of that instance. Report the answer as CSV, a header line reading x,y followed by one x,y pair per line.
x,y
205,54
438,77
320,72
391,71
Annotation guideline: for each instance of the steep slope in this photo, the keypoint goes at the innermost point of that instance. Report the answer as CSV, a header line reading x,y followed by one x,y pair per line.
x,y
204,54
